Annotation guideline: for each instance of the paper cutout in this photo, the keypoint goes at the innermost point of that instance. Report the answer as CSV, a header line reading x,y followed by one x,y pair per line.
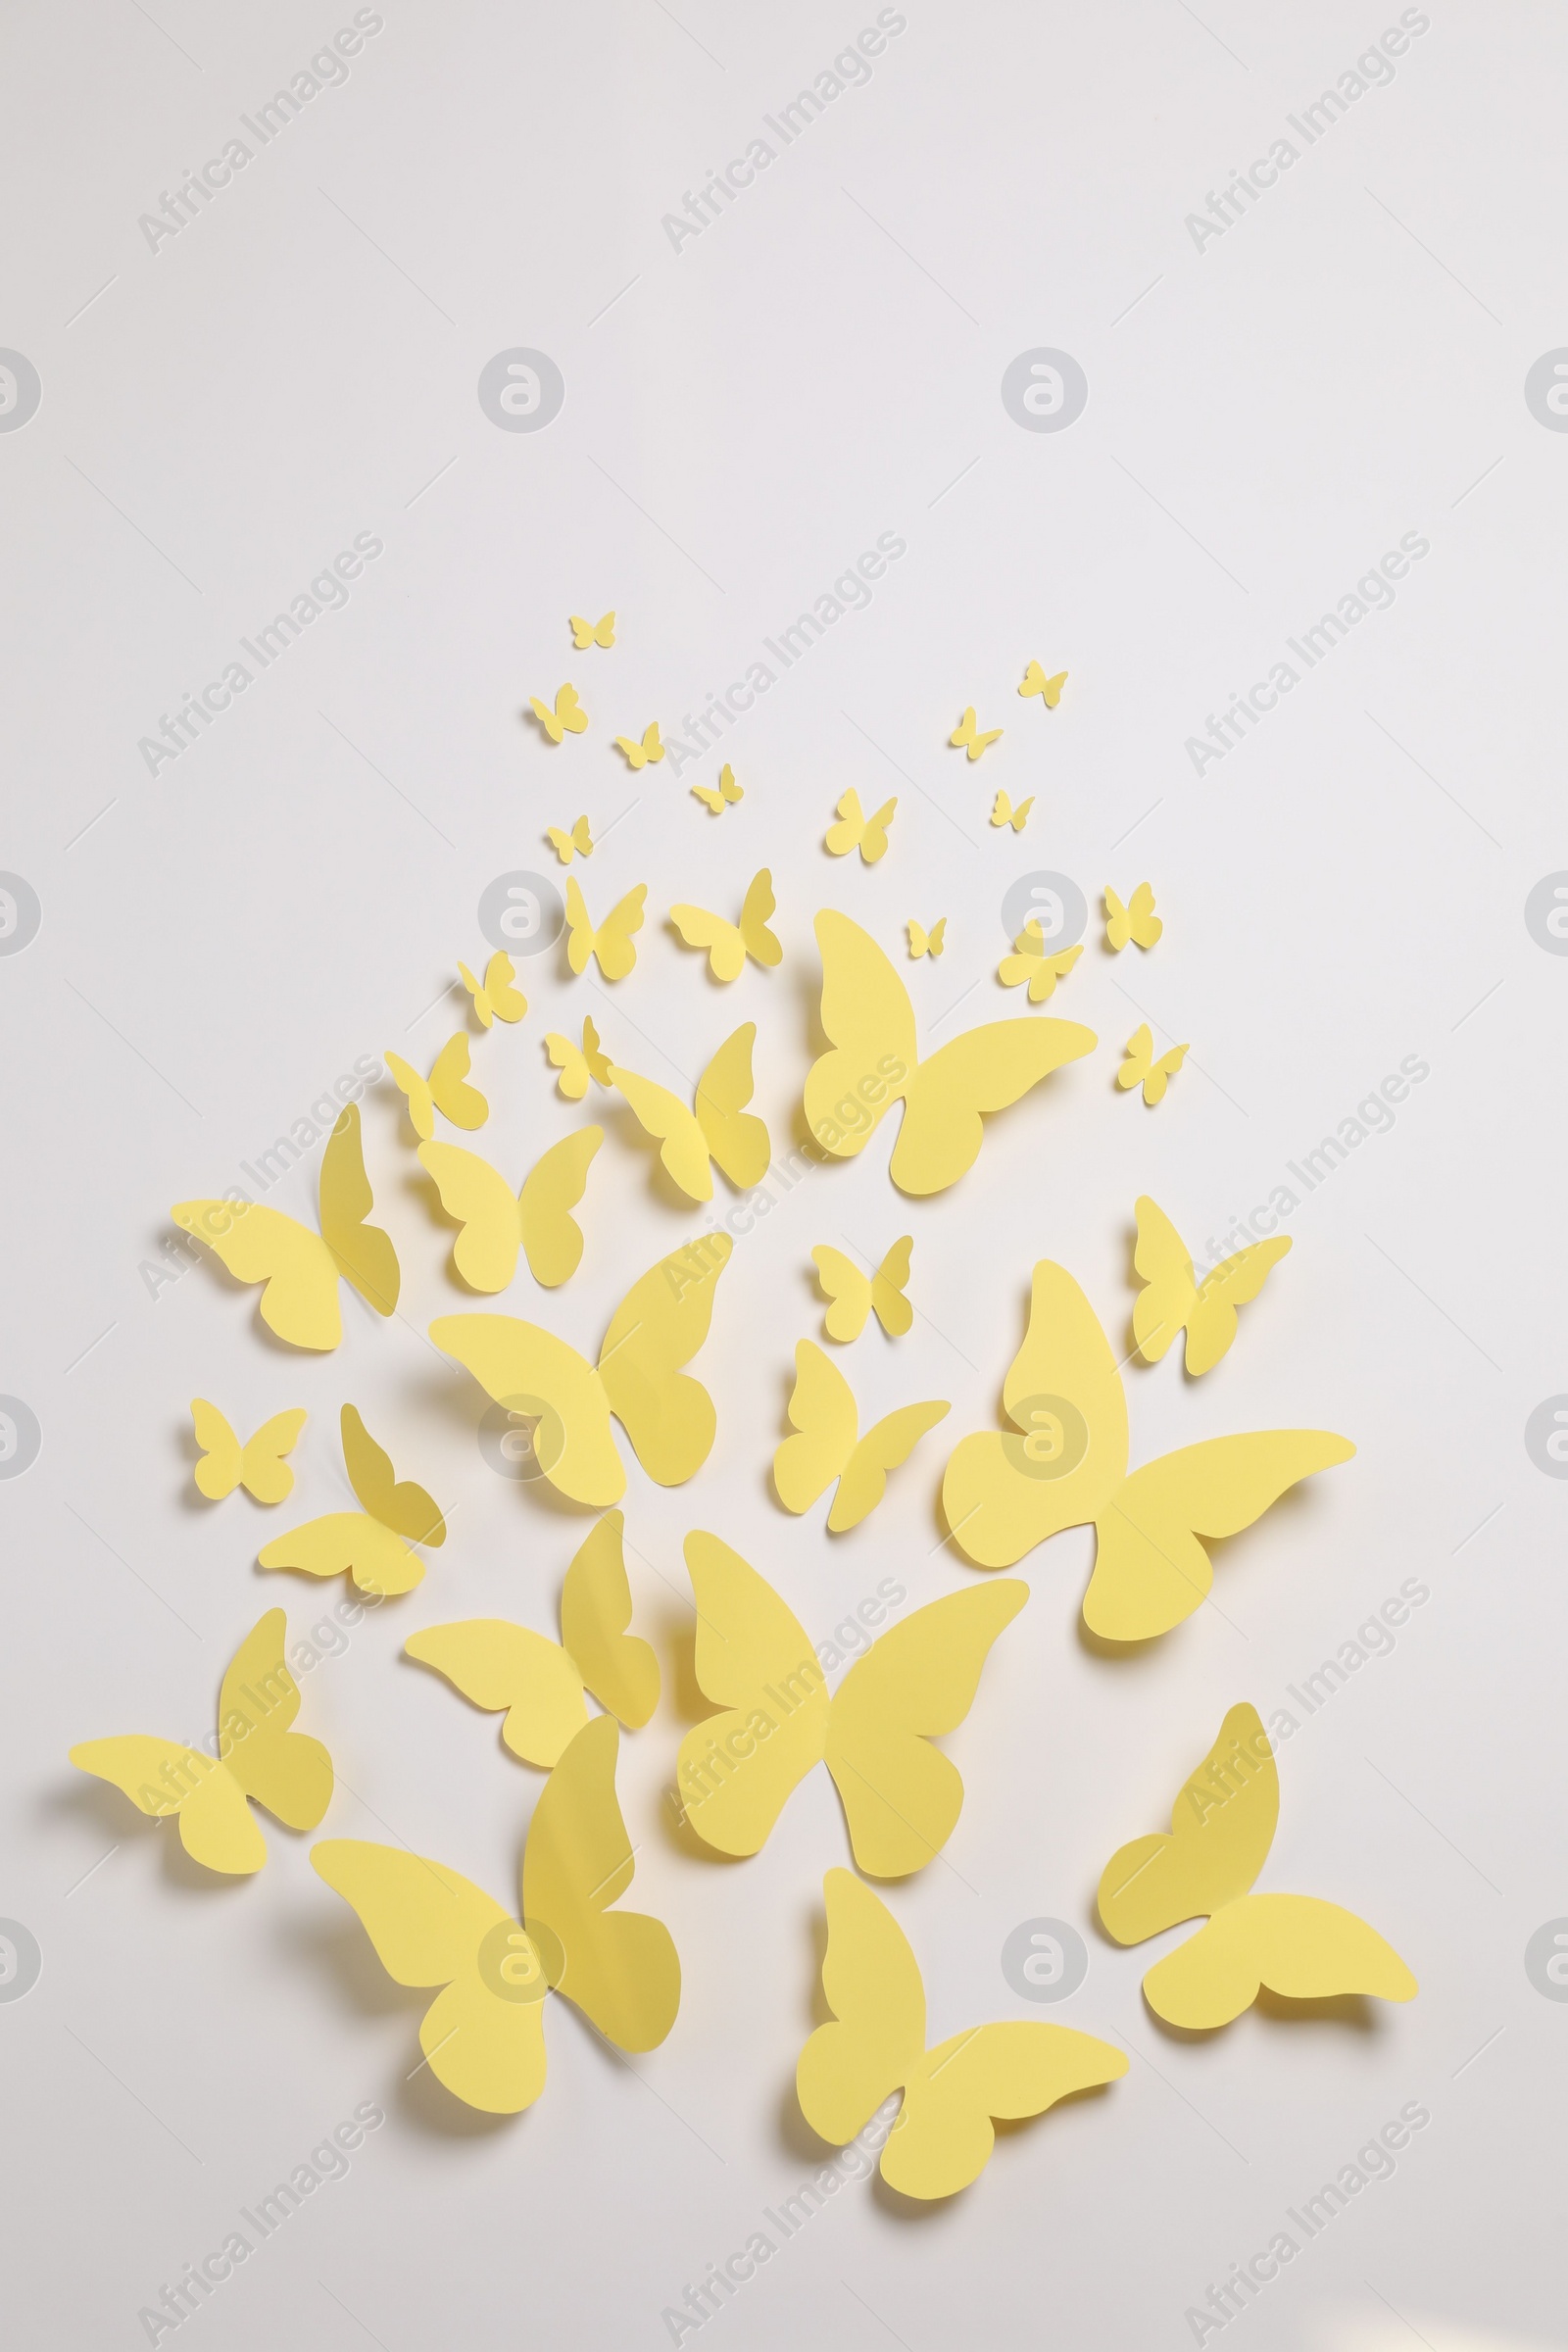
x,y
637,755
1136,921
495,1220
258,1465
901,1796
868,1014
1003,811
729,944
942,2138
852,1294
1221,1829
1002,1494
828,1446
494,996
577,1063
599,632
301,1268
1142,1069
1031,962
966,739
575,842
1174,1300
927,943
484,2033
858,831
1035,681
668,1416
716,797
720,1128
612,943
540,1684
445,1089
258,1757
368,1543
567,718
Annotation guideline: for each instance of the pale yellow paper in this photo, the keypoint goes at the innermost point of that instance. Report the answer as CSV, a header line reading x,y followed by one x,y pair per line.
x,y
827,1444
258,1465
729,944
852,1294
371,1545
1174,1300
611,942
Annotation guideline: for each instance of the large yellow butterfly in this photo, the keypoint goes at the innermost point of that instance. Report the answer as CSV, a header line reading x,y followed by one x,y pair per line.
x,y
258,1465
966,739
901,1796
494,996
484,2035
539,1683
716,797
1035,681
258,1757
569,717
495,1220
1068,1467
828,1446
611,942
719,1128
658,1326
577,1063
942,2138
599,632
577,843
301,1268
1142,1069
366,1543
1175,1301
927,943
1136,921
1031,962
729,944
637,755
868,1014
1221,1828
853,1294
858,831
446,1089
1003,811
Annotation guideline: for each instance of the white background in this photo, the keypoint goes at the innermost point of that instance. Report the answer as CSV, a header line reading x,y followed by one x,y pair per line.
x,y
1345,889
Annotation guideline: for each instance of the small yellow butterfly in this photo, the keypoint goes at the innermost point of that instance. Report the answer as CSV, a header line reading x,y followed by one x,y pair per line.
x,y
858,831
612,941
496,1220
258,1465
729,944
578,842
1136,921
714,796
852,1294
494,996
927,943
1003,811
601,632
1032,963
637,755
577,1063
369,1544
567,718
717,1128
965,738
827,1444
1142,1069
1175,1301
1035,681
445,1089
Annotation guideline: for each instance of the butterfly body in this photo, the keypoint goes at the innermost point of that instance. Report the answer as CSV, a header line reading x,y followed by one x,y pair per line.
x,y
827,1444
717,798
371,1543
495,1220
446,1089
599,632
611,942
729,944
1174,1300
495,999
966,738
570,842
855,830
1029,962
258,1465
852,1296
569,717
1142,1069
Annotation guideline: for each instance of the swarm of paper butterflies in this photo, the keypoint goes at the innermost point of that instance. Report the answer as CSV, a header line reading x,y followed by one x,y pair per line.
x,y
1060,1462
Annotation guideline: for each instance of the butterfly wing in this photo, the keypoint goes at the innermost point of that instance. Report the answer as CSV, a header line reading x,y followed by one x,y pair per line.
x,y
285,1771
850,1294
1160,1076
262,1245
658,1326
264,1472
1140,1053
893,1310
620,1669
1051,969
1142,922
1298,1947
477,990
844,836
711,797
569,711
901,1796
726,947
1170,1295
218,1473
939,935
876,2041
551,1235
479,1198
919,941
735,1770
943,2138
762,944
415,1092
985,1069
823,1416
398,1504
507,1001
497,1665
612,942
462,1103
573,1064
874,833
737,1140
1118,924
533,1373
869,1022
886,1446
605,631
580,935
160,1778
349,1543
1211,1325
546,718
363,1253
1020,815
1221,1828
683,1147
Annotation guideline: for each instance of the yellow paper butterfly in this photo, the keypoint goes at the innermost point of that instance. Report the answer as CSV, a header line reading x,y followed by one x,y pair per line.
x,y
1142,1069
366,1543
901,1796
1002,1494
1003,811
1175,1301
484,2033
658,1326
858,831
966,739
494,996
577,1063
446,1089
301,1268
927,943
637,755
1221,1828
852,1294
714,797
601,632
1032,963
1035,681
495,1220
258,1757
1136,921
942,2138
868,1014
577,843
729,944
258,1465
568,716
828,1446
540,1684
612,943
720,1128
